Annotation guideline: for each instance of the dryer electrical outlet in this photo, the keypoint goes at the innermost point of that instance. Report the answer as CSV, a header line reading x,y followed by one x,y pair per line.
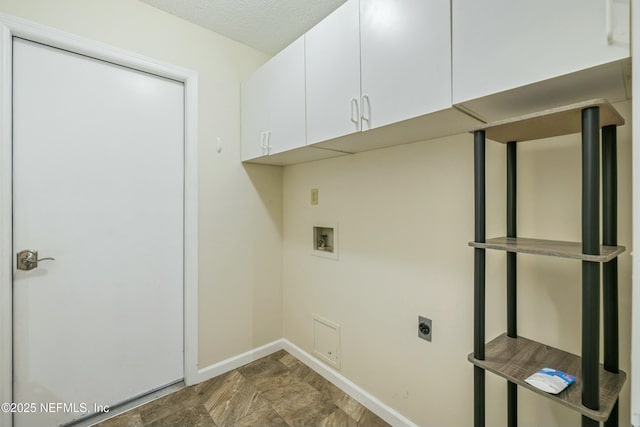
x,y
424,328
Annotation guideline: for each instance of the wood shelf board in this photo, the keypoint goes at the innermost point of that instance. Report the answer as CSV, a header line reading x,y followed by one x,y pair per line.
x,y
554,248
517,358
553,122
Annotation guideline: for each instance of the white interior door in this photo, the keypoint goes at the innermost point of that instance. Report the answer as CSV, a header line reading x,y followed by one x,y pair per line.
x,y
98,185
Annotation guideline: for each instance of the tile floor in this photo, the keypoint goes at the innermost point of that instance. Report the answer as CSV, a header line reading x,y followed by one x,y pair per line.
x,y
275,391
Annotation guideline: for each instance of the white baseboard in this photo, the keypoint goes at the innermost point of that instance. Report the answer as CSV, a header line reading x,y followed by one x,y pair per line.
x,y
369,401
235,362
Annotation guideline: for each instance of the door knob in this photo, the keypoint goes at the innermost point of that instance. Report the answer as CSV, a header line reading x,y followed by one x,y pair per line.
x,y
28,259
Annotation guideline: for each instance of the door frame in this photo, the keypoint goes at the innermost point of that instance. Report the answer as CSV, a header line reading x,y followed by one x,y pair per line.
x,y
635,259
16,27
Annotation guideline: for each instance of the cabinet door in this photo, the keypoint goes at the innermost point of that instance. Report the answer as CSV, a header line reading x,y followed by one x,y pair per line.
x,y
503,44
287,99
254,114
406,59
333,75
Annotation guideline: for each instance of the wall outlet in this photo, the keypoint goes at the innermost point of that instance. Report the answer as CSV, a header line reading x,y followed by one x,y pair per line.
x,y
424,328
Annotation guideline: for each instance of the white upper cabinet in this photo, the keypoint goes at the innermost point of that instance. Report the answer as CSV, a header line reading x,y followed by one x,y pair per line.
x,y
273,105
376,62
287,99
373,74
406,59
255,114
504,44
333,75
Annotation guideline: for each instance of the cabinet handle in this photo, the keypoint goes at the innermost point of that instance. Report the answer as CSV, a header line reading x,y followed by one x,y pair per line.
x,y
366,107
263,145
268,146
355,118
609,23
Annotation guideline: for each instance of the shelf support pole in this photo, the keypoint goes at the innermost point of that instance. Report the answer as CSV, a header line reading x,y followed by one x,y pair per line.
x,y
512,302
479,278
590,270
610,269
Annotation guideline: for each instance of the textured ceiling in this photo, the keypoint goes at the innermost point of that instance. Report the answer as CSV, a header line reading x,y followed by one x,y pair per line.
x,y
267,25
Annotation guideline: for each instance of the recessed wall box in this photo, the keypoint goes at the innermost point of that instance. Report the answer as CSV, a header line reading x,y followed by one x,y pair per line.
x,y
325,241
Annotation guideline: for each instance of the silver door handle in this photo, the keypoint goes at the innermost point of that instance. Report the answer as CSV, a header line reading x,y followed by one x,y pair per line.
x,y
263,145
609,21
366,105
268,145
28,259
355,118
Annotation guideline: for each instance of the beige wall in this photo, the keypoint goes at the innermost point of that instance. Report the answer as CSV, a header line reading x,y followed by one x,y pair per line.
x,y
239,207
405,216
